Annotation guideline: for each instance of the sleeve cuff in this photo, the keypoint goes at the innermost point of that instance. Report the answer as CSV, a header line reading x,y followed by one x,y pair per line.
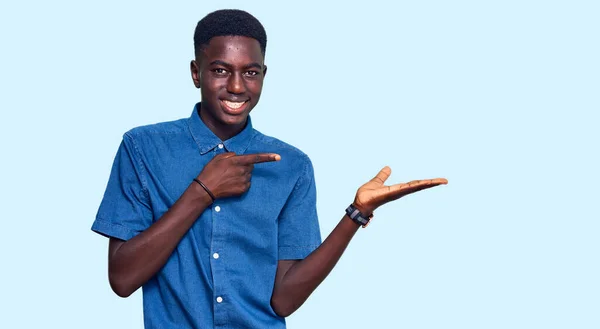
x,y
295,252
112,230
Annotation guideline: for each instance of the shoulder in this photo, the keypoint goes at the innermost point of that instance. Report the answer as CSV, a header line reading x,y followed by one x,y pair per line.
x,y
157,130
281,146
168,127
295,159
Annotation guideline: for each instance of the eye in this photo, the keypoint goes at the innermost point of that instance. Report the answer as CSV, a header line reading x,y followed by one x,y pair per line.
x,y
252,73
220,71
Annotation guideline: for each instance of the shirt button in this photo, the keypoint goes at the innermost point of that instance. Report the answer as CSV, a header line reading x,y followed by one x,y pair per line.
x,y
217,208
219,299
220,146
216,255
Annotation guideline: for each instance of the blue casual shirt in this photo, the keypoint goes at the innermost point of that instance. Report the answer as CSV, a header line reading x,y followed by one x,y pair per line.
x,y
221,275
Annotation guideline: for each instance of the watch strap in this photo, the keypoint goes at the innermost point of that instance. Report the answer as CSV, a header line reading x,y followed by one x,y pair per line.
x,y
357,216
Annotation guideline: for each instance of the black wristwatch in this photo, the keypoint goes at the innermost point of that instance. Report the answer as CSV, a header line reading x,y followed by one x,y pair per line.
x,y
357,216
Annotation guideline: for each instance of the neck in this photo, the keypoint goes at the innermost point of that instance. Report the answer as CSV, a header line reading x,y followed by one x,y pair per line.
x,y
223,131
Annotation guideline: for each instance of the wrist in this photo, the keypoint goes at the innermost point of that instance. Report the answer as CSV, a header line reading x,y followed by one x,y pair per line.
x,y
198,195
364,210
358,216
206,189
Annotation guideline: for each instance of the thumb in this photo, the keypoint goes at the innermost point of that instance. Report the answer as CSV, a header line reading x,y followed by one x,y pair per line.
x,y
226,155
382,176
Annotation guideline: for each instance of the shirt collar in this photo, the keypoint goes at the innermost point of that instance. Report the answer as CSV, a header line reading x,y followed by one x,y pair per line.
x,y
207,140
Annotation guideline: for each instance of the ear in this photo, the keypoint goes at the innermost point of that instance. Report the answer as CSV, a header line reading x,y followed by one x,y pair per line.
x,y
264,71
196,76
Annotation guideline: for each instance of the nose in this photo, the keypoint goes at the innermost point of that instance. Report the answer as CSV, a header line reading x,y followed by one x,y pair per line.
x,y
235,84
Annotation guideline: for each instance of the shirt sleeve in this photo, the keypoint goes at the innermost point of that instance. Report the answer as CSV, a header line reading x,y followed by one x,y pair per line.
x,y
299,232
125,208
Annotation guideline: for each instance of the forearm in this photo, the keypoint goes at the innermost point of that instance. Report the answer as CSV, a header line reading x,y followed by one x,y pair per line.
x,y
303,277
296,281
132,263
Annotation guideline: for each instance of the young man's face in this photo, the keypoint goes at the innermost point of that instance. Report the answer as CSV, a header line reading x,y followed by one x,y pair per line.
x,y
230,73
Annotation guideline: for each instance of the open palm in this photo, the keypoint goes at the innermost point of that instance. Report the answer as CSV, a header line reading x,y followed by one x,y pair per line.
x,y
375,193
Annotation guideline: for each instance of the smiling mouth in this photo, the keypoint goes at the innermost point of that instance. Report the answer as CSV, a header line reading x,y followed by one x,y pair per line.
x,y
234,107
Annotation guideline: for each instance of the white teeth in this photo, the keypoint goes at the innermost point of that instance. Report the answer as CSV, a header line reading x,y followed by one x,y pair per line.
x,y
234,105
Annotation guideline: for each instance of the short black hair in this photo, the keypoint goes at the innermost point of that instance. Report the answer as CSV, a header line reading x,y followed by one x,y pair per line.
x,y
229,22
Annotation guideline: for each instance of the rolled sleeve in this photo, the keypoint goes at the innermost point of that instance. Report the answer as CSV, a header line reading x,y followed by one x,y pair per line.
x,y
298,232
125,209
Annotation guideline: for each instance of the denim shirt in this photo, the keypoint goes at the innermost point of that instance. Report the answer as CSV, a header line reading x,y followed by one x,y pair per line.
x,y
221,274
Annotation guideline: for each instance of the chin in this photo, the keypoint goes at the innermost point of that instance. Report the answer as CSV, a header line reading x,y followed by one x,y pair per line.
x,y
233,120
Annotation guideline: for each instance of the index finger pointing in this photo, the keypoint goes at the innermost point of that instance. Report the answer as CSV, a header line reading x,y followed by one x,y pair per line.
x,y
258,158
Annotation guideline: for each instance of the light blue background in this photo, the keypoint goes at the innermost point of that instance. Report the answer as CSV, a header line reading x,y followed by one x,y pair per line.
x,y
500,97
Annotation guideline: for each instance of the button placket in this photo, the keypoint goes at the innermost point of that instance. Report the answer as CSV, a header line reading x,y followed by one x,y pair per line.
x,y
217,266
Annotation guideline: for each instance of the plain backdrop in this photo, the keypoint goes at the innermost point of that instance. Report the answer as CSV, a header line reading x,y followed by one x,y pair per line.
x,y
499,97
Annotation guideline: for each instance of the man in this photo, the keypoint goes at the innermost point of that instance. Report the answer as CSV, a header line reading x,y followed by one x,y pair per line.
x,y
216,221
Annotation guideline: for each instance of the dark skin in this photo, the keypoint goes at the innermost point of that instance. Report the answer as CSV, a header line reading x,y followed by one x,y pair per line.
x,y
230,72
228,69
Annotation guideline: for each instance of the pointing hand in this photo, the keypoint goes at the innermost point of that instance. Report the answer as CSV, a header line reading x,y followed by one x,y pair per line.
x,y
229,174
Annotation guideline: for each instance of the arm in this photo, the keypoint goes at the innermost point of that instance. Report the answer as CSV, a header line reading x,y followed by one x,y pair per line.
x,y
133,262
297,279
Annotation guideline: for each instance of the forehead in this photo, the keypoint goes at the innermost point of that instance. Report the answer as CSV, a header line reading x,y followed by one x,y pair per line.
x,y
233,49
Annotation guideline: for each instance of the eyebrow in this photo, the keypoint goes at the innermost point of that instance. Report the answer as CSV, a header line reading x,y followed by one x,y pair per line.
x,y
254,65
251,65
